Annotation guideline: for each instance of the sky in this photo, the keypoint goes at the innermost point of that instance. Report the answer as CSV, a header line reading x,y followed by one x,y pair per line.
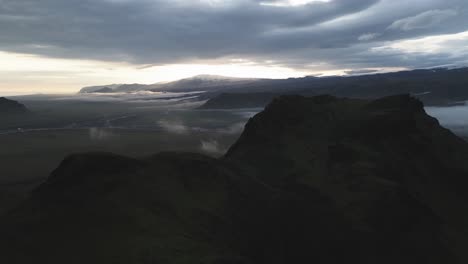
x,y
56,46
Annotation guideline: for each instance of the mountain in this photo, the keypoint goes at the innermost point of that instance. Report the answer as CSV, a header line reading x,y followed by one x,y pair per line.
x,y
432,86
385,164
310,180
10,107
104,90
196,83
210,83
95,89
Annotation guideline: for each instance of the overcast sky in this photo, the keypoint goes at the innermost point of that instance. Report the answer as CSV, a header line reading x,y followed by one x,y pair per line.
x,y
56,45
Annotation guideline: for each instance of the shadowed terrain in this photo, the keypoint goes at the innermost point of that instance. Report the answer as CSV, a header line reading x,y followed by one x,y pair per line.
x,y
310,180
10,107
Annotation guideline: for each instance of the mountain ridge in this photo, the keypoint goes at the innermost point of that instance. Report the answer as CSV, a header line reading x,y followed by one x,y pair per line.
x,y
311,179
432,86
193,83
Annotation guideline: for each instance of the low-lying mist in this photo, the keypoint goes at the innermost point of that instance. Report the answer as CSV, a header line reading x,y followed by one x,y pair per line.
x,y
211,143
212,147
96,133
135,125
135,97
454,118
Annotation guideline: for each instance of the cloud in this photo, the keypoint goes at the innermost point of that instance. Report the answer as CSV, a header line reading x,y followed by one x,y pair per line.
x,y
233,129
174,127
361,72
290,2
426,19
155,31
314,36
449,50
99,134
368,36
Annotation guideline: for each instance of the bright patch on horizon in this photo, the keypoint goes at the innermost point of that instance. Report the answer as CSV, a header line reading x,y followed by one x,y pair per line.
x,y
23,73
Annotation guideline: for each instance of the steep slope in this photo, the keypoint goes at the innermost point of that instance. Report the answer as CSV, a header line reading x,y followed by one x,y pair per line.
x,y
390,168
10,107
311,180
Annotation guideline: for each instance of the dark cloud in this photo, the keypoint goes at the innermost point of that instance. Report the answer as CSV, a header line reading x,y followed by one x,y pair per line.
x,y
319,35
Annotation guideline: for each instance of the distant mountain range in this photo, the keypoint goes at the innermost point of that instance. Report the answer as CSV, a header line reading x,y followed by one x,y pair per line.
x,y
311,180
197,83
432,86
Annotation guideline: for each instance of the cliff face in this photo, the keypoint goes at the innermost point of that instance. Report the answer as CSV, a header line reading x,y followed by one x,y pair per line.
x,y
320,180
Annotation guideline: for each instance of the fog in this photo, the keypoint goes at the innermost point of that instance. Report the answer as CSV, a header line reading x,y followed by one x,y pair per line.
x,y
133,97
212,147
96,133
236,128
132,124
454,118
176,127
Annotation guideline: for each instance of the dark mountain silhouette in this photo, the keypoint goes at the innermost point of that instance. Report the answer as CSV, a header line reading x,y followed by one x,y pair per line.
x,y
10,107
433,87
311,180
